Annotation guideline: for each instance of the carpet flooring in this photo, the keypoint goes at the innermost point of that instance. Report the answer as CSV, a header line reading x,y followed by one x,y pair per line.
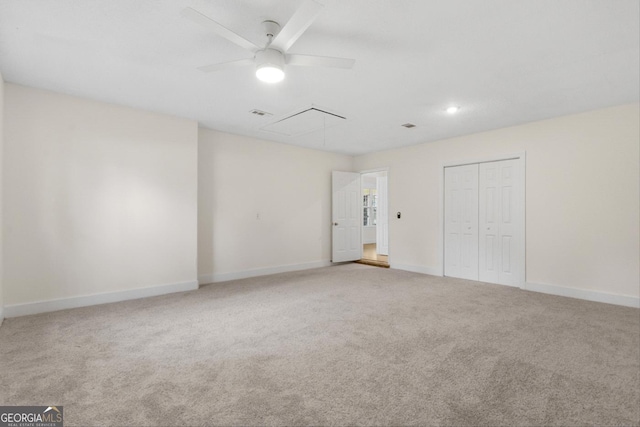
x,y
344,345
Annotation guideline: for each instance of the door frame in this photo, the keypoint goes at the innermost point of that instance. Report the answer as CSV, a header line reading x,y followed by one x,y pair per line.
x,y
521,157
385,169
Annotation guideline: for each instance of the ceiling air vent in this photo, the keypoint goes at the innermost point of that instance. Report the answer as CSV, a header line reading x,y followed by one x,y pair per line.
x,y
408,125
260,113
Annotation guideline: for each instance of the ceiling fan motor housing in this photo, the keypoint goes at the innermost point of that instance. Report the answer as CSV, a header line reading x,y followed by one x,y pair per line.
x,y
270,62
271,57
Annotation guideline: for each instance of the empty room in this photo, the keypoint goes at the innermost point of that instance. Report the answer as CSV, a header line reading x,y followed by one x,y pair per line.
x,y
319,212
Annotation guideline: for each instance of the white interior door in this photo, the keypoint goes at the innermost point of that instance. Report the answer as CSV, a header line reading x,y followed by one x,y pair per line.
x,y
346,224
461,222
499,223
382,227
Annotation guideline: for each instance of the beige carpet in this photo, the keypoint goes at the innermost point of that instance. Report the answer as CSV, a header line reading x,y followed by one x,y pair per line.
x,y
347,345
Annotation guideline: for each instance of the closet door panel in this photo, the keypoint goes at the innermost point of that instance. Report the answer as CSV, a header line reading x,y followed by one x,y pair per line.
x,y
489,202
497,222
508,223
461,222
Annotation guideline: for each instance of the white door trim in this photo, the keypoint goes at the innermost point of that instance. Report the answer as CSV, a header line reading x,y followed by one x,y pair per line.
x,y
375,170
521,157
382,227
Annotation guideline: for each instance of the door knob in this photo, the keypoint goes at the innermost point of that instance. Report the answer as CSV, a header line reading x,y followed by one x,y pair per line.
x,y
335,223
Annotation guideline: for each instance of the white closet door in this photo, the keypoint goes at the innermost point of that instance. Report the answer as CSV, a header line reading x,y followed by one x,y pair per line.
x,y
498,219
461,222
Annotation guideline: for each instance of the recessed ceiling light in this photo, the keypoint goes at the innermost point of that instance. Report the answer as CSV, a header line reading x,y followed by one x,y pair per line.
x,y
453,109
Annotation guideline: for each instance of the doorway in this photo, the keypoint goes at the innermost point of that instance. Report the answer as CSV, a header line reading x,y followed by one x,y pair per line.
x,y
375,218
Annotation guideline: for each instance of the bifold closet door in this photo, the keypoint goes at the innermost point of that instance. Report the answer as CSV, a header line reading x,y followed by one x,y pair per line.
x,y
498,223
461,222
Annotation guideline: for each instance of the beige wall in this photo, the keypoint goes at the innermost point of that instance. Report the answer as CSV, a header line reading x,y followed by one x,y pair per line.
x,y
1,192
98,198
582,197
262,205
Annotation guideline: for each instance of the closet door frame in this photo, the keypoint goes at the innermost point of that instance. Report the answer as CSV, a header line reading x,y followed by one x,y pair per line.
x,y
520,206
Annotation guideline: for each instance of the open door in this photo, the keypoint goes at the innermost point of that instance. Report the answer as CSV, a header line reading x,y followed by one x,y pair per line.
x,y
346,242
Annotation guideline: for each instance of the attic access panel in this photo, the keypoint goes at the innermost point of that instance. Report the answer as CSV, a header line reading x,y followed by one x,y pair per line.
x,y
305,121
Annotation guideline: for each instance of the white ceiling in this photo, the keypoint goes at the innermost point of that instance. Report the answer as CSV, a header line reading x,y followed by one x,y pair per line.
x,y
505,62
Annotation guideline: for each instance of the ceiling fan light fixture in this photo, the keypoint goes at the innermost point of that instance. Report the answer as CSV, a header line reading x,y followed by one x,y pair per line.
x,y
269,74
270,66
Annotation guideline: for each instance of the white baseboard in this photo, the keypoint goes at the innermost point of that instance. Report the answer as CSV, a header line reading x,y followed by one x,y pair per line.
x,y
223,277
1,315
432,271
102,298
625,300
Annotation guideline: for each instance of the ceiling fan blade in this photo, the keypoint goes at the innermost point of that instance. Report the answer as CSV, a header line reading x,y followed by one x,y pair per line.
x,y
299,22
320,61
212,25
223,65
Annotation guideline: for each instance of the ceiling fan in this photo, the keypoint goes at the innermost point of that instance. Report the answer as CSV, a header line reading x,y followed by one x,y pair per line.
x,y
271,59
